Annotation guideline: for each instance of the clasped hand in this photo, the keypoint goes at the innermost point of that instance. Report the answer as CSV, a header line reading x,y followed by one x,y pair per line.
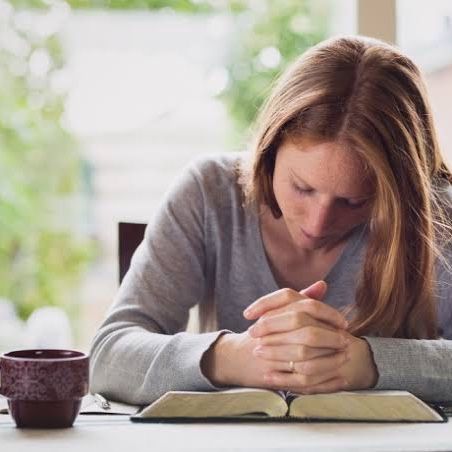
x,y
306,345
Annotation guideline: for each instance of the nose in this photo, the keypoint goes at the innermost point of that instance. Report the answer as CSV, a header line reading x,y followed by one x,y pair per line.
x,y
318,220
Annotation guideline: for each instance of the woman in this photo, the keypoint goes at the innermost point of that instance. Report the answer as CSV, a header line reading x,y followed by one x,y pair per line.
x,y
322,265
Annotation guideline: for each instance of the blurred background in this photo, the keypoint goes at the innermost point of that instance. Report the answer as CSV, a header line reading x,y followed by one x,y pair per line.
x,y
103,102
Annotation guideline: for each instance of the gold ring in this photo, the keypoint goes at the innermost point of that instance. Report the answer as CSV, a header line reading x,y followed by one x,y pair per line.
x,y
291,366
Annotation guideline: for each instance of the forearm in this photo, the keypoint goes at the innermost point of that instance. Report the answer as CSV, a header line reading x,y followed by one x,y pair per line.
x,y
137,366
423,367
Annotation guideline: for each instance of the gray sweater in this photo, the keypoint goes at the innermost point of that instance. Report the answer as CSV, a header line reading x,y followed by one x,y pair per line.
x,y
204,248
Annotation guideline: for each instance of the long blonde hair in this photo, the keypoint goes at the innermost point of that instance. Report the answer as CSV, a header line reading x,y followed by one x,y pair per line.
x,y
368,95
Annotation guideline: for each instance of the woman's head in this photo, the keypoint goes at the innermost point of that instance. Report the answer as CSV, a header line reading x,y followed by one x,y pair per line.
x,y
322,191
364,102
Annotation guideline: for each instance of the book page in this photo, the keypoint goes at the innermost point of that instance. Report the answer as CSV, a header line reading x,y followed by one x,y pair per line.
x,y
232,402
90,406
364,405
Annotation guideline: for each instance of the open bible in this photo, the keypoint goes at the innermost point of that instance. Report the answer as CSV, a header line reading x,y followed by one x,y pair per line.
x,y
248,404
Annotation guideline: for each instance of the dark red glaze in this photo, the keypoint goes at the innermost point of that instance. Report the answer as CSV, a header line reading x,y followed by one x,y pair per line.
x,y
44,388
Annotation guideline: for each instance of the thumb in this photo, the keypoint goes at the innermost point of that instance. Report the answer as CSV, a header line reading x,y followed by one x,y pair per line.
x,y
316,290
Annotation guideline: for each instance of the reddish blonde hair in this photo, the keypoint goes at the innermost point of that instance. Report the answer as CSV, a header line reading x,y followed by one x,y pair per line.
x,y
369,96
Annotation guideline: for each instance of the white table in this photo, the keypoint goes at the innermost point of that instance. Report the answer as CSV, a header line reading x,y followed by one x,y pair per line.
x,y
117,433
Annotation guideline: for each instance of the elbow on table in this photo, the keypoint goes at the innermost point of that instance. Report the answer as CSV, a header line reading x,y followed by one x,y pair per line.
x,y
98,374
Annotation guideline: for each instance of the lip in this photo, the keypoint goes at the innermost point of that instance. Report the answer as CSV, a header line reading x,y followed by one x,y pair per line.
x,y
312,237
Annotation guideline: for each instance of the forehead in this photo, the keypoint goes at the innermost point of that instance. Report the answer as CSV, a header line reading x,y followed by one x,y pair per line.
x,y
329,166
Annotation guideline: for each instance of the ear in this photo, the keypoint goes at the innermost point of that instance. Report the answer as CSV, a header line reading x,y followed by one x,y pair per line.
x,y
316,290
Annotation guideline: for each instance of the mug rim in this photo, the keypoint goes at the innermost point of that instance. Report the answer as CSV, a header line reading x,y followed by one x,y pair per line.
x,y
78,355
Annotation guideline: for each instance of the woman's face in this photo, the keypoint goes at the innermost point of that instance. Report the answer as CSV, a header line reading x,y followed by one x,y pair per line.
x,y
322,191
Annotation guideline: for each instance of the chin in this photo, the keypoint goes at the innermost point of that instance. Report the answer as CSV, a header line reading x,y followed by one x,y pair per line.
x,y
309,246
313,242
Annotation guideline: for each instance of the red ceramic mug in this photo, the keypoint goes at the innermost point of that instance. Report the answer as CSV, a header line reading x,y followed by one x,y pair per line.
x,y
44,388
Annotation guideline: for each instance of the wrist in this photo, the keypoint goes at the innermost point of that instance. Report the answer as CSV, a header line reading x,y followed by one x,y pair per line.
x,y
370,375
214,361
360,371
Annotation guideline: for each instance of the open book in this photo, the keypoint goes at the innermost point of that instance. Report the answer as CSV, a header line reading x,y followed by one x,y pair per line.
x,y
260,404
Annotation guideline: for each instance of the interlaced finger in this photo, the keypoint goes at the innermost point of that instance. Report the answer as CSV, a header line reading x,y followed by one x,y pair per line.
x,y
312,336
332,385
271,301
285,321
292,352
297,382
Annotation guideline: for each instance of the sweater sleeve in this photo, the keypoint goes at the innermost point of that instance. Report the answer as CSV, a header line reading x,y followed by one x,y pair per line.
x,y
423,367
141,350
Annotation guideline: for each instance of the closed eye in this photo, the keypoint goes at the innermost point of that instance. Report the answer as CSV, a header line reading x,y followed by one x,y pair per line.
x,y
302,190
343,201
351,204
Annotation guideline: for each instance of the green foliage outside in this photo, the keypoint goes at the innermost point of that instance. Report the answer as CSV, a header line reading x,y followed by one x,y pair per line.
x,y
271,38
42,260
287,26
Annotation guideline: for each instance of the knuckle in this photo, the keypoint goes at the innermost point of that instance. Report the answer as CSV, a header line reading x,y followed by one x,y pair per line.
x,y
262,325
305,368
343,358
287,293
300,316
310,304
267,380
302,352
310,335
255,343
300,336
293,321
303,380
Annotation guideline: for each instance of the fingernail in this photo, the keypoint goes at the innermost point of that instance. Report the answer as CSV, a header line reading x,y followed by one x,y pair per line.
x,y
248,311
345,323
252,329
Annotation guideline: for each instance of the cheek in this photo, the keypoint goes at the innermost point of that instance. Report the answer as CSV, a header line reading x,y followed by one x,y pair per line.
x,y
290,202
349,219
280,192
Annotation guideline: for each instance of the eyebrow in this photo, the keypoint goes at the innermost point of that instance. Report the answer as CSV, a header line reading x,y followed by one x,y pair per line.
x,y
355,198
